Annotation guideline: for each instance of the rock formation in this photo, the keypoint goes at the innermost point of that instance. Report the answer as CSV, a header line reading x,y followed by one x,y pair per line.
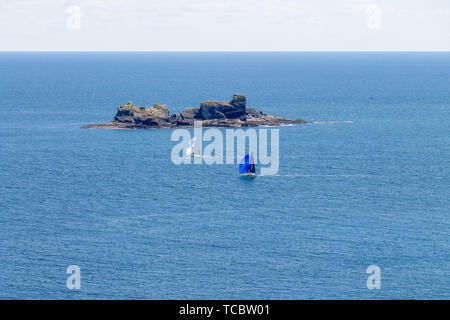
x,y
233,113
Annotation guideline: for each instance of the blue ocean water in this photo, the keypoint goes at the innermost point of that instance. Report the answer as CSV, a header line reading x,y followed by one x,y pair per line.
x,y
371,188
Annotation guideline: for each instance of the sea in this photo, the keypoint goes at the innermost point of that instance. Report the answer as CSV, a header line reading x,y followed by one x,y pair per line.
x,y
366,183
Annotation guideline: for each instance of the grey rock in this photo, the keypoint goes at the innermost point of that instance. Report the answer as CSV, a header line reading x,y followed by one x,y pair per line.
x,y
213,113
125,113
238,100
232,109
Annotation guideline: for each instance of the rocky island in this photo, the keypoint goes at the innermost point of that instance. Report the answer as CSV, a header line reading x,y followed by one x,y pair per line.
x,y
233,113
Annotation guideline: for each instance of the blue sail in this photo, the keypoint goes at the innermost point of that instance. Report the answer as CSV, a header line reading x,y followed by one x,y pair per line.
x,y
244,166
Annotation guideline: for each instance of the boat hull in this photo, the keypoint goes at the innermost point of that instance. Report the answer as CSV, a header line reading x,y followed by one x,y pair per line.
x,y
249,175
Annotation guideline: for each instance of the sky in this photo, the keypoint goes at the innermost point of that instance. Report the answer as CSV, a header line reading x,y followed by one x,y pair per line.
x,y
224,25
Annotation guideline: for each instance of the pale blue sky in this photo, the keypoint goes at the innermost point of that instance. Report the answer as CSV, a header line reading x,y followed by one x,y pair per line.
x,y
227,25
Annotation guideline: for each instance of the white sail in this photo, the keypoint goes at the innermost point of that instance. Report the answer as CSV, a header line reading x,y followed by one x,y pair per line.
x,y
191,150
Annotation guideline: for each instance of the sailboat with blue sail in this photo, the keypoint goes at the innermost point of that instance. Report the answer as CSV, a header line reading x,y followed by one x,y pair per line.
x,y
247,166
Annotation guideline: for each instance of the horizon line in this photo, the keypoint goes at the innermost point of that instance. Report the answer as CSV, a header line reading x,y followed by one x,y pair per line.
x,y
224,51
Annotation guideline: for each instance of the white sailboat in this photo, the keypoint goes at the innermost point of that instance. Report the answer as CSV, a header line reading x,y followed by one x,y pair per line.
x,y
193,150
